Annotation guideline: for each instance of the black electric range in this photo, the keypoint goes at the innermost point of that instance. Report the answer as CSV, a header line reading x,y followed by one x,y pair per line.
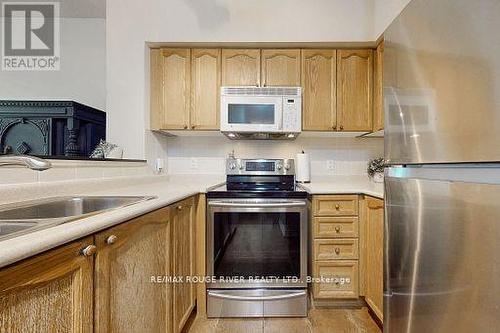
x,y
259,178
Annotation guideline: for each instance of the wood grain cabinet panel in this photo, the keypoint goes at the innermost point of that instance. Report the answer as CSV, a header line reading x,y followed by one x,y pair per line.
x,y
378,88
52,292
335,205
280,67
128,256
176,88
344,279
241,67
319,82
374,234
335,227
183,261
334,249
205,89
354,90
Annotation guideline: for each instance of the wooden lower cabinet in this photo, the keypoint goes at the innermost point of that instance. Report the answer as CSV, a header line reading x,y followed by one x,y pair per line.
x,y
129,255
374,240
183,261
51,292
335,249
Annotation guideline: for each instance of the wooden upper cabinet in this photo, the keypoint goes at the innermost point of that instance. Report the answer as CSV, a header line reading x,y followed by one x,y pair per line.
x,y
52,292
205,88
128,256
176,88
281,67
319,89
374,255
354,90
378,88
241,67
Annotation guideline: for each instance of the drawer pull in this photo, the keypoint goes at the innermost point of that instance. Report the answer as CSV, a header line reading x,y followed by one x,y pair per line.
x,y
111,239
337,207
89,251
179,207
337,250
337,229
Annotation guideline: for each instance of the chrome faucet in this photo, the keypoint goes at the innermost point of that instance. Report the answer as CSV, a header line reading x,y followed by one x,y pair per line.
x,y
34,163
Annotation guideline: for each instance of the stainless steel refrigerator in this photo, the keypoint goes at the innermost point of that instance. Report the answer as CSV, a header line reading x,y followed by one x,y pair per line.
x,y
442,185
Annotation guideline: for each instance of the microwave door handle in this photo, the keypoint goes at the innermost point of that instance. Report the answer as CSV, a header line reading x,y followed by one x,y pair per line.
x,y
260,205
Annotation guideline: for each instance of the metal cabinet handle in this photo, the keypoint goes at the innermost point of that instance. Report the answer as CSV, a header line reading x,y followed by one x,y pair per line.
x,y
337,250
111,239
89,251
179,207
341,127
193,126
337,207
337,229
334,127
185,126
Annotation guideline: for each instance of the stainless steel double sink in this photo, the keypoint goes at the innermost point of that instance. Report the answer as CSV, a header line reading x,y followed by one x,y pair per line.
x,y
24,217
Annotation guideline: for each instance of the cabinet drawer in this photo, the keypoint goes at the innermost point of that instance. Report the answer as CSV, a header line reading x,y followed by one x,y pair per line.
x,y
335,205
341,279
335,227
331,249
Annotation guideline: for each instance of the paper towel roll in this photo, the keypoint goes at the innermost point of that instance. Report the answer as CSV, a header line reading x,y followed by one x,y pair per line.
x,y
302,168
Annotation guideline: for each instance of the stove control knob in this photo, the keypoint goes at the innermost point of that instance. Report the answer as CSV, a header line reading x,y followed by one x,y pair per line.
x,y
279,166
287,166
232,166
242,167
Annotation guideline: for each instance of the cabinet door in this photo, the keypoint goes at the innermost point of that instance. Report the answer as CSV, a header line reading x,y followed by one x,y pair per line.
x,y
129,255
241,67
354,90
205,88
183,261
176,88
51,292
378,92
374,255
319,89
281,68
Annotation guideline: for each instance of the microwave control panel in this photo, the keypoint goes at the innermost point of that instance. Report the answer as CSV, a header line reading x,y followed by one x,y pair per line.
x,y
292,114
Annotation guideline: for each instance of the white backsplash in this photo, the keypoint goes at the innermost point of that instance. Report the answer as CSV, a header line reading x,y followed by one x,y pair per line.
x,y
206,155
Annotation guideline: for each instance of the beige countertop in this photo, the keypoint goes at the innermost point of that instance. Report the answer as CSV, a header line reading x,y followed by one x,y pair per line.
x,y
168,190
345,185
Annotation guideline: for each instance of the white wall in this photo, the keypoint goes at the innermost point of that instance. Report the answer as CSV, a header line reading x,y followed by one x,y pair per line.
x,y
130,23
82,74
193,155
384,12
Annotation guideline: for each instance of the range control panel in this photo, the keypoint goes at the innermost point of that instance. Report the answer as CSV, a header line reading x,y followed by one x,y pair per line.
x,y
240,166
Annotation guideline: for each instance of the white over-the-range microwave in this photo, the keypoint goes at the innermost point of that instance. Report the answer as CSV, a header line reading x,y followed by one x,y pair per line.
x,y
261,112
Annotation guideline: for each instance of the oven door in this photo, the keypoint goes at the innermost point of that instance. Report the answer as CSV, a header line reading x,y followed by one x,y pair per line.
x,y
257,243
251,114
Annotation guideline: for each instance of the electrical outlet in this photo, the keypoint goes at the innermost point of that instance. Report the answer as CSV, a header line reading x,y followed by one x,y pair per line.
x,y
194,163
330,165
159,165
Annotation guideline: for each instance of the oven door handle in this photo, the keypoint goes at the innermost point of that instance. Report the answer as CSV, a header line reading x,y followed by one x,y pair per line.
x,y
257,205
256,298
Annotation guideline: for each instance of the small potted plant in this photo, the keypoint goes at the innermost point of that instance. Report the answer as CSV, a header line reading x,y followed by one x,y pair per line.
x,y
376,169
